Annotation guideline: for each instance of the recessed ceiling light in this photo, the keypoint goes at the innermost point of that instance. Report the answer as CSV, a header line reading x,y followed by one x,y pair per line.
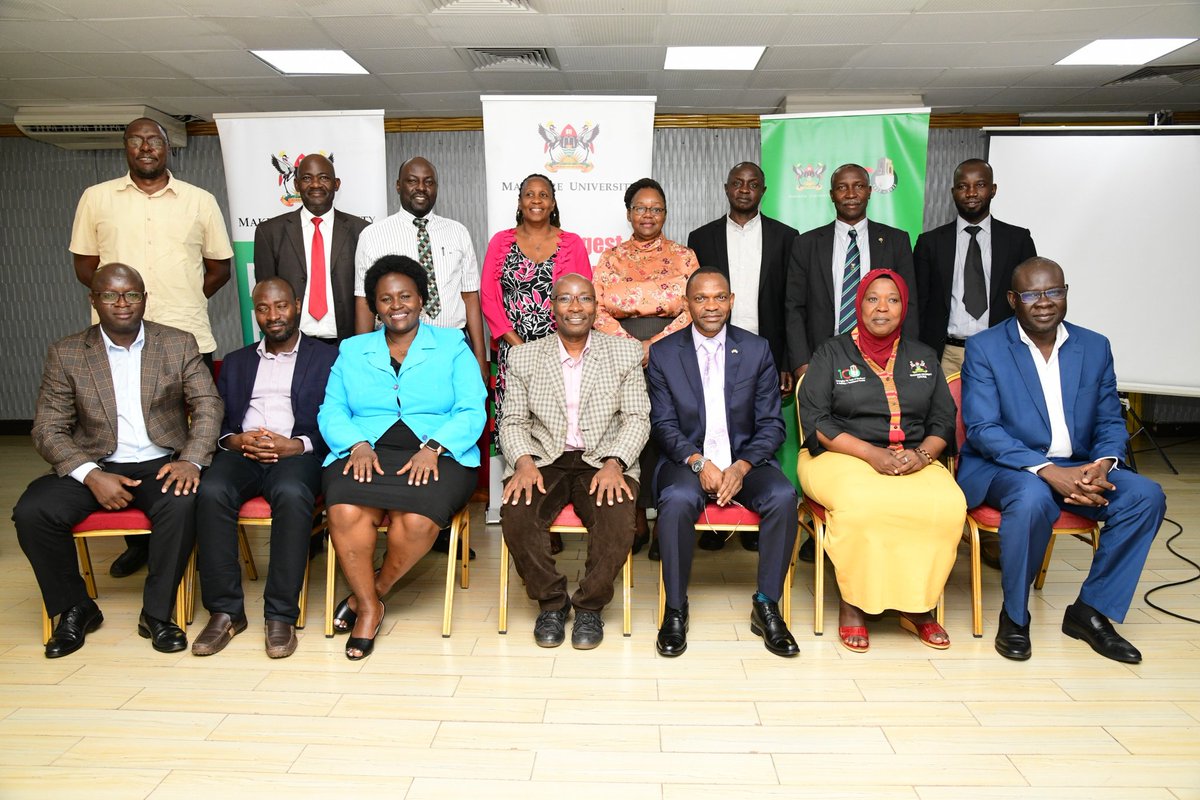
x,y
714,58
311,62
1124,51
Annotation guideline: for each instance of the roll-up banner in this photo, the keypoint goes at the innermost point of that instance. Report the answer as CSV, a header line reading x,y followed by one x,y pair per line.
x,y
261,152
800,153
591,147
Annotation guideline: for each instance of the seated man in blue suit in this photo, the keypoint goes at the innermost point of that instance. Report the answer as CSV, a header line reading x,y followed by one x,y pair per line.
x,y
269,446
714,411
1044,433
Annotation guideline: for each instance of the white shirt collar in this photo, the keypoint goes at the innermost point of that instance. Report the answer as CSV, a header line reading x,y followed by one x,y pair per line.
x,y
138,342
754,223
843,228
985,223
306,216
1060,336
264,353
698,338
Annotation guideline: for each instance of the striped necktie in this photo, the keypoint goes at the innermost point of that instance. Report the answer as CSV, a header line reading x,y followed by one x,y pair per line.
x,y
850,277
425,256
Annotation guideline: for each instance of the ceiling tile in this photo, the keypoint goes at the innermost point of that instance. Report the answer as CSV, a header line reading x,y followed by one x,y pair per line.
x,y
251,87
605,31
33,92
809,56
166,34
118,65
610,58
1027,94
383,61
29,9
322,85
614,82
240,8
985,5
288,103
420,81
981,77
37,65
933,28
500,30
215,63
121,9
890,79
1142,95
299,33
841,28
528,82
1167,20
351,8
590,8
1090,23
693,30
678,79
1189,54
939,98
359,32
788,80
1011,54
173,87
61,36
1073,76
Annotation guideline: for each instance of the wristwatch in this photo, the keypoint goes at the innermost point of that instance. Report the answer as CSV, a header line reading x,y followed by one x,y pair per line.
x,y
434,446
698,465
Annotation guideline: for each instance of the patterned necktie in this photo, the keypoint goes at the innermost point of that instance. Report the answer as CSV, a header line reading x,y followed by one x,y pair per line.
x,y
317,304
850,276
425,256
974,285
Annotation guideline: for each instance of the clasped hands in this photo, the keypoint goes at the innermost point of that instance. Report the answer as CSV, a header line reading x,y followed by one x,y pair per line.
x,y
1082,485
608,484
723,483
886,461
265,446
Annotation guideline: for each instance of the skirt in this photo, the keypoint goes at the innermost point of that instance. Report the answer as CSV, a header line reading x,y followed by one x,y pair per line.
x,y
438,500
892,539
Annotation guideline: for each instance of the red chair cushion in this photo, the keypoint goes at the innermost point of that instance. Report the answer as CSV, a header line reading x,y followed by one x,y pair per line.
x,y
125,519
567,518
730,515
255,508
989,517
817,509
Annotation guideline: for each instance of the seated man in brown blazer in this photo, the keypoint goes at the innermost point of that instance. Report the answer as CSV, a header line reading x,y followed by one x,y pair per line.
x,y
576,416
113,420
313,248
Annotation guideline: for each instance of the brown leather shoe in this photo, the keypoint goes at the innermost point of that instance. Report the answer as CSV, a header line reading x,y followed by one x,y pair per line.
x,y
281,638
219,631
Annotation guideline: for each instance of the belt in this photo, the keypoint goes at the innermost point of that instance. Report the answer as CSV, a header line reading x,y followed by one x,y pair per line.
x,y
956,341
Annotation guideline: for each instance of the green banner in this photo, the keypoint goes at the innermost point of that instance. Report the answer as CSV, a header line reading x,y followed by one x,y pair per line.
x,y
799,155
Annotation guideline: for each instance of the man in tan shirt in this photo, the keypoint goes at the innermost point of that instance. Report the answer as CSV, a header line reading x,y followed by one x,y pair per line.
x,y
172,233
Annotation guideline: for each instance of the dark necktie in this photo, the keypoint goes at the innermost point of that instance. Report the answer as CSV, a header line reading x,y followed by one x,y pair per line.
x,y
974,285
318,305
425,256
850,276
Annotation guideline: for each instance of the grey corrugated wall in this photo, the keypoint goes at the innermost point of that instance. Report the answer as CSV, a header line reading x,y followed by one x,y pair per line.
x,y
43,301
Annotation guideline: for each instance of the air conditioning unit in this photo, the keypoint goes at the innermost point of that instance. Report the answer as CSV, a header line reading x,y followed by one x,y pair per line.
x,y
92,127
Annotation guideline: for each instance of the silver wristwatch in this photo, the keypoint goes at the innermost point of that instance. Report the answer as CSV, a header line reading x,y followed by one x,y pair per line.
x,y
698,465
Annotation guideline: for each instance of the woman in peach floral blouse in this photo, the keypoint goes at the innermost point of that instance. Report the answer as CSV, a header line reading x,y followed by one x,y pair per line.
x,y
640,295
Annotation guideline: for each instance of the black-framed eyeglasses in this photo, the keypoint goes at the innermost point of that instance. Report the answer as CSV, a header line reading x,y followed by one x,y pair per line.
x,y
156,142
656,211
1029,298
567,299
111,298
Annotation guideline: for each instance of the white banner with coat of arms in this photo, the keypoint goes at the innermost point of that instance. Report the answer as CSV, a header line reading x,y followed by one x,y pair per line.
x,y
591,147
260,153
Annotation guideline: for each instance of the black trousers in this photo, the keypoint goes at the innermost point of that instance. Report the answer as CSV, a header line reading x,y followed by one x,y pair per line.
x,y
51,506
681,501
291,486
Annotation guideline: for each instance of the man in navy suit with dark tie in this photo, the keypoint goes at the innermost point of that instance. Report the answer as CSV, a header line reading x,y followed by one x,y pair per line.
x,y
269,446
714,411
1044,434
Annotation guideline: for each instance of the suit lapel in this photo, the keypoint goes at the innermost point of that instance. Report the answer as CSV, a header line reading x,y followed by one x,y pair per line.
x,y
733,365
552,377
295,235
303,361
721,237
825,264
999,298
1028,371
691,369
97,362
152,363
1070,367
947,247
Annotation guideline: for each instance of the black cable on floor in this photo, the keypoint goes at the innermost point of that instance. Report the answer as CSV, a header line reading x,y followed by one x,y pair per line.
x,y
1195,577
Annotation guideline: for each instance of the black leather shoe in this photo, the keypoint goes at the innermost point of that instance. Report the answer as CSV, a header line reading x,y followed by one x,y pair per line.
x,y
129,562
1012,640
1086,623
73,625
711,540
765,621
640,540
550,629
989,549
749,540
165,637
653,553
808,550
442,543
588,632
672,636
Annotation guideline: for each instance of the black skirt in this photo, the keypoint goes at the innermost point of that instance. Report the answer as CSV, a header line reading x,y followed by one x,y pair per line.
x,y
438,500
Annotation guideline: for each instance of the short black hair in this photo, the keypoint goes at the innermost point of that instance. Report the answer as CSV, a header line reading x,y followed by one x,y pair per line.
x,y
700,273
389,265
638,185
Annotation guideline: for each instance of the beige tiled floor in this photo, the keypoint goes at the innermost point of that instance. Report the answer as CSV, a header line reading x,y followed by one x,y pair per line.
x,y
483,715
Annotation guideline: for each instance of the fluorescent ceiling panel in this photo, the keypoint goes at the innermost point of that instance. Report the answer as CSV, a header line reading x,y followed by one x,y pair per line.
x,y
1123,51
311,62
713,58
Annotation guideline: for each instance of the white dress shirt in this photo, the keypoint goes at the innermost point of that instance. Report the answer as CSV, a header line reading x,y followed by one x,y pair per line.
x,y
326,327
962,324
744,250
454,264
133,441
841,243
716,423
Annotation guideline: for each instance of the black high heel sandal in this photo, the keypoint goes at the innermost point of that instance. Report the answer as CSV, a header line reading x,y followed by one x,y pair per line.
x,y
362,644
345,614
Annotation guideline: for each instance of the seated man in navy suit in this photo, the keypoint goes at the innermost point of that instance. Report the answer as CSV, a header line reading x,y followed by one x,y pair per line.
x,y
714,411
269,446
1044,433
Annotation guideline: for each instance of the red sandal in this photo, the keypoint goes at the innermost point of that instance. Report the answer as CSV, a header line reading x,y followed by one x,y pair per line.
x,y
925,631
847,632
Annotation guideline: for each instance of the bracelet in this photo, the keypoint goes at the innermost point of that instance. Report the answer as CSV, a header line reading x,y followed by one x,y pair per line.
x,y
360,444
924,454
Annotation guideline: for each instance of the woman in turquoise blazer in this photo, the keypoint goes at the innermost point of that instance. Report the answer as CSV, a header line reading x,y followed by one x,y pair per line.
x,y
404,408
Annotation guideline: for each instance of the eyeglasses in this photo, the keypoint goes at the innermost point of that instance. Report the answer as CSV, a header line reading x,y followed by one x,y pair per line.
x,y
155,142
656,211
567,299
1029,298
111,298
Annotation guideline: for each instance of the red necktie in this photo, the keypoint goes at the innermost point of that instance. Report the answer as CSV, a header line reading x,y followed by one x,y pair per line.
x,y
317,305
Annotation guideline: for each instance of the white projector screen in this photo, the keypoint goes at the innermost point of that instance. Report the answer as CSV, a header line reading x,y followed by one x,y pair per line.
x,y
1119,209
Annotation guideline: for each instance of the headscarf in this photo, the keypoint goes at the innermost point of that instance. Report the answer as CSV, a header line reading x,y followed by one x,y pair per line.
x,y
879,348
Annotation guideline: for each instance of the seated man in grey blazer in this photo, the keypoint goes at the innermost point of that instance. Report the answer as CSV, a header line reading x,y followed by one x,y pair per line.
x,y
576,416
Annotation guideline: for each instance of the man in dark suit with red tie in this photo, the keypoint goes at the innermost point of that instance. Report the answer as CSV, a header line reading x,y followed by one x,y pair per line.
x,y
313,248
751,250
